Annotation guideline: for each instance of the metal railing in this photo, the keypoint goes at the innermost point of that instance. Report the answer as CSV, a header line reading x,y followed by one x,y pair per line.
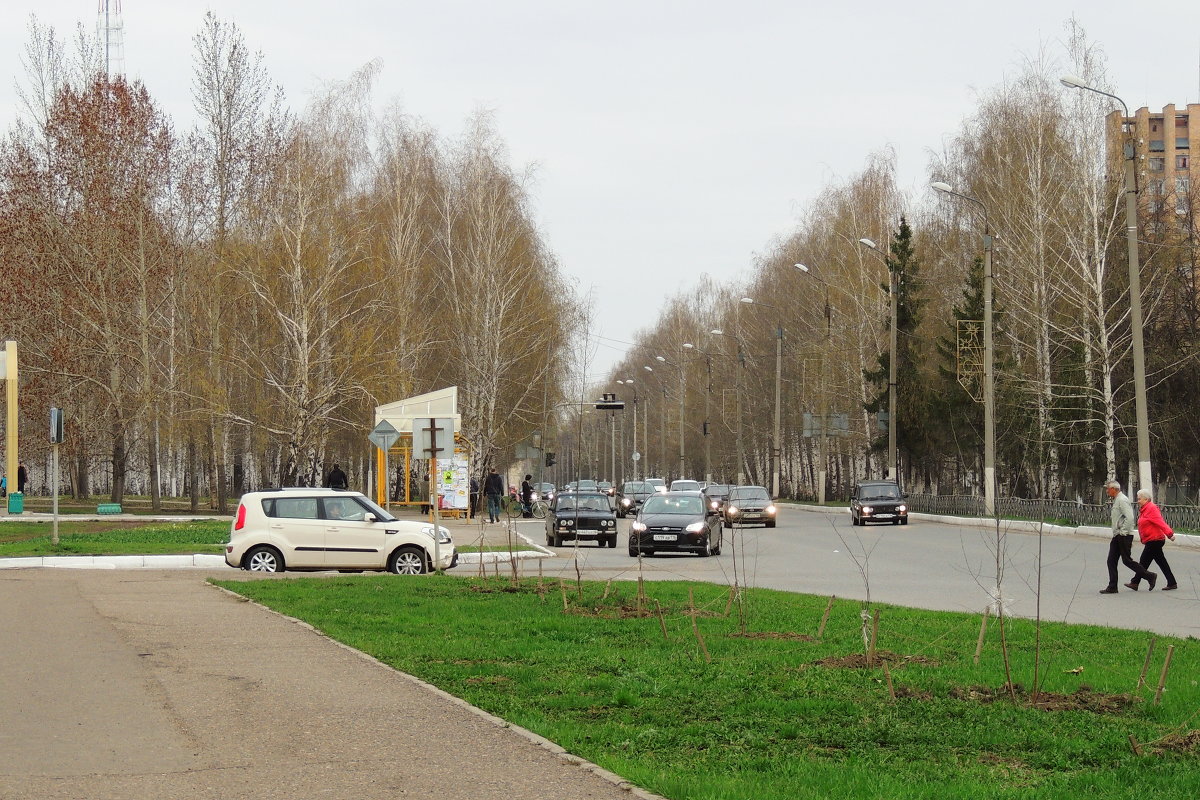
x,y
1057,512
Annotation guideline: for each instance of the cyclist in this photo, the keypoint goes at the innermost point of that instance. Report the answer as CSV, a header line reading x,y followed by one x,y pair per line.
x,y
527,497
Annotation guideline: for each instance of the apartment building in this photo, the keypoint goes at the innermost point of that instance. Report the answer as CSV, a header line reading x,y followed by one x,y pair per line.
x,y
1166,145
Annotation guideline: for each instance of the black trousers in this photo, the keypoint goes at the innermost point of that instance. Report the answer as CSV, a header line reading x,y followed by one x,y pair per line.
x,y
1120,548
1152,552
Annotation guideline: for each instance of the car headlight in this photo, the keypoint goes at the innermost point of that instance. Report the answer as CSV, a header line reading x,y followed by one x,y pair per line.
x,y
625,501
732,510
770,509
442,534
868,510
637,527
714,505
695,527
902,509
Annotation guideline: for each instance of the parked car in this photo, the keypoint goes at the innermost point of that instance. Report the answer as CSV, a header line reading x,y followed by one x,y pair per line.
x,y
685,486
631,497
658,483
678,522
878,501
748,505
581,517
319,529
716,494
543,491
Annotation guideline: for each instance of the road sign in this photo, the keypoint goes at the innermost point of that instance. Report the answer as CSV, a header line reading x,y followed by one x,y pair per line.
x,y
636,456
384,435
433,436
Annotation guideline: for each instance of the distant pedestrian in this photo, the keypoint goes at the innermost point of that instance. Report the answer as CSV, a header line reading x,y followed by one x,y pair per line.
x,y
493,489
3,485
1154,532
22,477
336,479
1120,547
476,497
527,497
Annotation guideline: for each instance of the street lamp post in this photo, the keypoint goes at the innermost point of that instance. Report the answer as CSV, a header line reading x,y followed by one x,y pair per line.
x,y
629,382
989,377
1145,475
741,474
824,457
893,472
776,447
707,392
682,395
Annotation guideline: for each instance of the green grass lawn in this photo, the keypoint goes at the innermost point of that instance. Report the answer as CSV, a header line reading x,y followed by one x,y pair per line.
x,y
113,538
778,713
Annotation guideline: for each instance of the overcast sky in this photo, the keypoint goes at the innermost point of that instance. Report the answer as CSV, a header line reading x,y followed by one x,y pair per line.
x,y
669,139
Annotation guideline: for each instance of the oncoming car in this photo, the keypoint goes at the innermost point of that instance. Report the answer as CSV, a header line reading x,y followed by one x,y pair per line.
x,y
631,497
581,516
748,505
319,529
677,522
878,501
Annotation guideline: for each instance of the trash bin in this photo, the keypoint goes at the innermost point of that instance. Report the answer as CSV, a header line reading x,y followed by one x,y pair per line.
x,y
16,502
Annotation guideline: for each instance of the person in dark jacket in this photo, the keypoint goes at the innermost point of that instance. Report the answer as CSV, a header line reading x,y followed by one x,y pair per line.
x,y
22,477
337,479
493,489
527,497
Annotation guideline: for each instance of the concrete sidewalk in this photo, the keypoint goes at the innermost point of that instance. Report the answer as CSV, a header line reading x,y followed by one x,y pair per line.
x,y
153,683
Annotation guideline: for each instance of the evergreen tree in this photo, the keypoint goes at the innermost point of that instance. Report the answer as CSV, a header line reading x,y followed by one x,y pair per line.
x,y
914,441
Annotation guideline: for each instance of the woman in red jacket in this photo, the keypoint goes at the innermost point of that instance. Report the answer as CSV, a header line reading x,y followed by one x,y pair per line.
x,y
1154,532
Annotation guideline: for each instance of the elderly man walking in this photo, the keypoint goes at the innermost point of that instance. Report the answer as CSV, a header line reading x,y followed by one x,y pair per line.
x,y
1120,547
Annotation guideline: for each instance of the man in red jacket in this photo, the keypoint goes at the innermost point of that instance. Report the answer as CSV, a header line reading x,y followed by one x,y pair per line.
x,y
1154,532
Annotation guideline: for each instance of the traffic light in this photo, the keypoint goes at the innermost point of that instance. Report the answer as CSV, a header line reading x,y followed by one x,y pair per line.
x,y
549,459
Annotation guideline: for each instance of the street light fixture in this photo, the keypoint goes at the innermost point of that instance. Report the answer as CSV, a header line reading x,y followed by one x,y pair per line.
x,y
707,394
989,378
893,301
1145,475
629,382
824,457
741,475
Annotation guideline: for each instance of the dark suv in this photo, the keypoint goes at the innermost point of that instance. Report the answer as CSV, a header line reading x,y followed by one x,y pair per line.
x,y
878,501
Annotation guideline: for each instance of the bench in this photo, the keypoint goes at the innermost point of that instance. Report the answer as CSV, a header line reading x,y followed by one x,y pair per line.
x,y
108,508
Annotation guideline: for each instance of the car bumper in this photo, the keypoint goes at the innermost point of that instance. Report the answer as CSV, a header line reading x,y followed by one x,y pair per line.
x,y
681,541
752,517
883,516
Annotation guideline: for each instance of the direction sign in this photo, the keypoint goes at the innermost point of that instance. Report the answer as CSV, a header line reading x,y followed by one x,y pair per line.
x,y
384,435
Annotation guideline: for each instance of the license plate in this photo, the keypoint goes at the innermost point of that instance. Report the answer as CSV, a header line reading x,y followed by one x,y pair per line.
x,y
665,537
884,516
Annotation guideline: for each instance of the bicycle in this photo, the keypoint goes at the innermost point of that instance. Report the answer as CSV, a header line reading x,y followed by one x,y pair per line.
x,y
511,506
539,508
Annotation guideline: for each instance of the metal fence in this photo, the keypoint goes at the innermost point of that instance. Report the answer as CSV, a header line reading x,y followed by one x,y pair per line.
x,y
1057,512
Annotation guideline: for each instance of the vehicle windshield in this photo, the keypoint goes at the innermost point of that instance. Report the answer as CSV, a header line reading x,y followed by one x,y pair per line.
x,y
717,490
543,487
636,487
685,486
587,486
745,493
663,504
878,493
582,502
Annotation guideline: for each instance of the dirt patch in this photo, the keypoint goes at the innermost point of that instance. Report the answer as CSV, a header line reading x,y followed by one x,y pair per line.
x,y
1187,742
1082,699
796,637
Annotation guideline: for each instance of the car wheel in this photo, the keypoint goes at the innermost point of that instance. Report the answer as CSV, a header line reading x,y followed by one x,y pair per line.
x,y
612,541
903,522
408,561
557,542
633,551
707,551
895,522
263,559
726,524
771,524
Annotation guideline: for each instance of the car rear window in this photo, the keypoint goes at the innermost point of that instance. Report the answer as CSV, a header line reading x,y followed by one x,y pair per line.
x,y
290,507
660,504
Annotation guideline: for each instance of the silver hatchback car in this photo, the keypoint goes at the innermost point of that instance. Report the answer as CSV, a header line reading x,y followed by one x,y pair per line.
x,y
320,529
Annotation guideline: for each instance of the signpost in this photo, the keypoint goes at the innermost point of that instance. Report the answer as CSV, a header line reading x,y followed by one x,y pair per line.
x,y
383,436
432,436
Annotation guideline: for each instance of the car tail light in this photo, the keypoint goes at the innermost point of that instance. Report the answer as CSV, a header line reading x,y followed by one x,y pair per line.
x,y
240,522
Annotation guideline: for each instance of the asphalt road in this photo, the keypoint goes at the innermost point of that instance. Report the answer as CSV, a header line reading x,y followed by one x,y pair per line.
x,y
923,564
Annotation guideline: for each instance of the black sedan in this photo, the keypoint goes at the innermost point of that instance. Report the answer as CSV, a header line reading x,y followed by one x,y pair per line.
x,y
581,517
631,497
878,501
716,494
675,522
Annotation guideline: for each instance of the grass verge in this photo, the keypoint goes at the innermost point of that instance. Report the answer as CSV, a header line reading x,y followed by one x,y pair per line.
x,y
690,705
19,539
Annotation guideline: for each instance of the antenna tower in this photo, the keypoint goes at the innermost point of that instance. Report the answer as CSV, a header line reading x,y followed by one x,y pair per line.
x,y
111,30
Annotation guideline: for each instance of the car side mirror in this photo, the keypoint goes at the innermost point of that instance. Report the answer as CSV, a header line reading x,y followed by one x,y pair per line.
x,y
369,517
